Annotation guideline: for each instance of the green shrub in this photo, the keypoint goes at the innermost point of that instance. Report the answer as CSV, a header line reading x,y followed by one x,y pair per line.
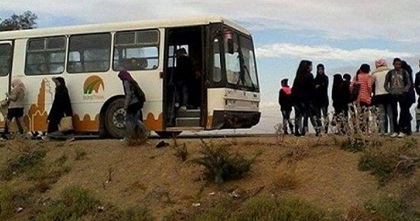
x,y
11,200
24,161
221,165
80,154
354,144
390,208
137,214
262,208
75,203
387,162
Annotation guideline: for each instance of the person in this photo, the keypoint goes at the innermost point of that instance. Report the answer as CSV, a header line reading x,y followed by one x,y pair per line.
x,y
381,97
61,107
397,83
321,96
183,77
417,118
364,98
133,104
417,89
15,110
346,93
285,102
303,98
339,102
410,97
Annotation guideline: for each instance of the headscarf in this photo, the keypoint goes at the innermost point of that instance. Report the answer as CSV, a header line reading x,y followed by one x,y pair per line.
x,y
62,86
381,62
18,84
125,76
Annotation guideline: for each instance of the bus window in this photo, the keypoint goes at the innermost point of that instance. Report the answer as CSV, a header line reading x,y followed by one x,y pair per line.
x,y
249,77
136,50
5,59
45,55
217,67
89,53
233,68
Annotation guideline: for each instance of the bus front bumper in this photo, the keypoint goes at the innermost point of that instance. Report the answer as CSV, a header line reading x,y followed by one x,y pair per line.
x,y
235,119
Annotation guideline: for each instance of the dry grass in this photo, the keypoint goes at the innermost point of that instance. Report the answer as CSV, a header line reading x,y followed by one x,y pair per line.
x,y
315,170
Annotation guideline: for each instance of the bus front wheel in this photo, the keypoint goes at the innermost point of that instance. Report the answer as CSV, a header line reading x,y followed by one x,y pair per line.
x,y
168,134
114,119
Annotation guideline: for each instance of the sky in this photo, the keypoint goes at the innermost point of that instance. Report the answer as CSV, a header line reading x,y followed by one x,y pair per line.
x,y
341,34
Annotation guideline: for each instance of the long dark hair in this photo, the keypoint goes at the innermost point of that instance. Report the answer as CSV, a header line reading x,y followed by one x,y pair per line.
x,y
303,68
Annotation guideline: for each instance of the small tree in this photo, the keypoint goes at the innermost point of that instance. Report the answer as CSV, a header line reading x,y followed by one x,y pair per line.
x,y
18,22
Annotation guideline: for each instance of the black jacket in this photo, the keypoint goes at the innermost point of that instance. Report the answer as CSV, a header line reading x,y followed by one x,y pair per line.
x,y
61,105
321,92
285,101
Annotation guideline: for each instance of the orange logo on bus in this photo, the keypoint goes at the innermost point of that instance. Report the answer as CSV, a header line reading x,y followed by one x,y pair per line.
x,y
93,83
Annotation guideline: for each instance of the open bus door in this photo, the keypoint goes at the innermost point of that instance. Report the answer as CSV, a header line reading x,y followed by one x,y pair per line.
x,y
6,52
177,118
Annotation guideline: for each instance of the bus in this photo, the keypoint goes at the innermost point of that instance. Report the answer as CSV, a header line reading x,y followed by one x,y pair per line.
x,y
89,57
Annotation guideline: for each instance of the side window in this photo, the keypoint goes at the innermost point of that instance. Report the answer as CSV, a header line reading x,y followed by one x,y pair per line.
x,y
233,67
89,53
136,50
217,66
45,55
5,59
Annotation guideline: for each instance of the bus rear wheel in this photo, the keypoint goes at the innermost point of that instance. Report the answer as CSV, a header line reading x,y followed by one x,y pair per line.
x,y
168,134
114,119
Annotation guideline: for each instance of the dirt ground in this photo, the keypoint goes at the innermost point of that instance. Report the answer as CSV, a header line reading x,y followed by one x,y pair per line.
x,y
145,175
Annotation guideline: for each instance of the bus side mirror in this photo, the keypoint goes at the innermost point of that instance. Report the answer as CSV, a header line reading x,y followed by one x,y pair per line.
x,y
231,49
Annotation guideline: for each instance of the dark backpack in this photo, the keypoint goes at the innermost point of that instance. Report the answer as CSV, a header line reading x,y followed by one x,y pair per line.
x,y
139,94
354,93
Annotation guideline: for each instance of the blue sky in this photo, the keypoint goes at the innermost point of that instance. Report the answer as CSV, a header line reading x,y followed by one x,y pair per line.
x,y
341,34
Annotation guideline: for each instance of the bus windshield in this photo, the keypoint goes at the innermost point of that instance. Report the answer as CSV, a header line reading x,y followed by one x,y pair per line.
x,y
240,61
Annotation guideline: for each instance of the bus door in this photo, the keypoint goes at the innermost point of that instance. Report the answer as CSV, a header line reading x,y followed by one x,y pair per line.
x,y
6,52
183,94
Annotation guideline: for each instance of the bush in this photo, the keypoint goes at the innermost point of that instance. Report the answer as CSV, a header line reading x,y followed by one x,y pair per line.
x,y
23,162
385,163
390,208
353,144
221,165
75,203
262,208
11,200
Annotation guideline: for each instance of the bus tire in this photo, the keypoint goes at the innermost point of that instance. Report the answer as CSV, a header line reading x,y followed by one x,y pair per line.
x,y
168,134
115,119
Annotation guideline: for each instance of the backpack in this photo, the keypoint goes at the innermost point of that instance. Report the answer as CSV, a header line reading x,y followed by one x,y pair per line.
x,y
354,93
138,92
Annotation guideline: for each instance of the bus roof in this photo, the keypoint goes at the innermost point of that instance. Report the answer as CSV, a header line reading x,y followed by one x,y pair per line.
x,y
118,26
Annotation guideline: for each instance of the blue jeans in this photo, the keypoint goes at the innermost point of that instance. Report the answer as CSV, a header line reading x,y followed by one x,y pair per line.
x,y
286,120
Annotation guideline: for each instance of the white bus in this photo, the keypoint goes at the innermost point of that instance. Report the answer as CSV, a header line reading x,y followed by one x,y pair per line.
x,y
89,57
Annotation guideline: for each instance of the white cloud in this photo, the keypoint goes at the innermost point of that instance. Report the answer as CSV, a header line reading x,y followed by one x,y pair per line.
x,y
356,19
324,52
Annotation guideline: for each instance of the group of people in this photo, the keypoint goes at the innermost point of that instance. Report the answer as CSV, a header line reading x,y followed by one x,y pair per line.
x,y
61,108
382,97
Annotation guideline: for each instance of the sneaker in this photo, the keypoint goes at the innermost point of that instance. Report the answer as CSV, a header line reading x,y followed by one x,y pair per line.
x,y
183,108
401,135
394,135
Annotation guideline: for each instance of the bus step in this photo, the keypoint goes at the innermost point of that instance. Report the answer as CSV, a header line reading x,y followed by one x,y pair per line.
x,y
188,122
188,113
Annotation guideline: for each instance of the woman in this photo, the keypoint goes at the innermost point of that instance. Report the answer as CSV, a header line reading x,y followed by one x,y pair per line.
x,y
15,109
134,101
364,98
61,107
303,98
